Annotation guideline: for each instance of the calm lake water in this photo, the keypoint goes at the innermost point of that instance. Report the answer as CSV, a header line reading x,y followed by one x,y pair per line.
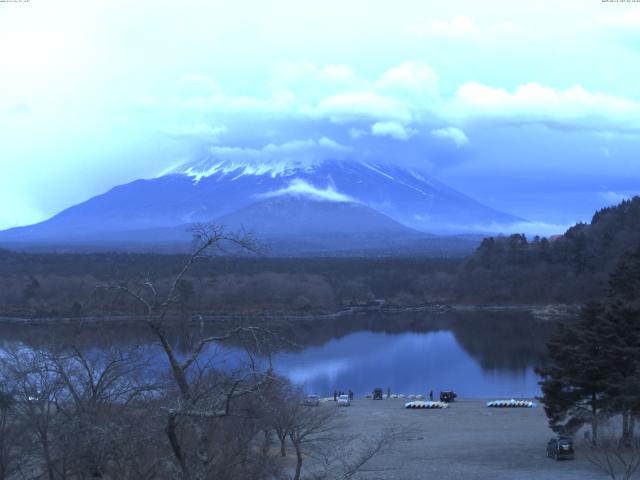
x,y
476,354
408,363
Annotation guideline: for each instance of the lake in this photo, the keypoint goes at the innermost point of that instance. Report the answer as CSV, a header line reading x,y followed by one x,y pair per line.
x,y
408,363
477,354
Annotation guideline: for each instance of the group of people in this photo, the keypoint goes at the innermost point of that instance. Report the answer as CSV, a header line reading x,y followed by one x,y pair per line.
x,y
337,393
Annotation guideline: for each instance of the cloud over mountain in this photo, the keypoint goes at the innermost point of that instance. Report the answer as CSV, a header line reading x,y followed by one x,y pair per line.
x,y
114,93
302,188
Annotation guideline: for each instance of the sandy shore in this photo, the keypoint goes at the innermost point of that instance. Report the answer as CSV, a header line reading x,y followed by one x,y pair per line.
x,y
466,441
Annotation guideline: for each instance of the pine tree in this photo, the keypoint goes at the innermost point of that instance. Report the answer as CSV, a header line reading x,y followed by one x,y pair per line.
x,y
624,281
574,382
594,363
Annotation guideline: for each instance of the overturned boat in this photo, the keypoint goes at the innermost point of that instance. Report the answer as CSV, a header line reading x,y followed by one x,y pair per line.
x,y
511,404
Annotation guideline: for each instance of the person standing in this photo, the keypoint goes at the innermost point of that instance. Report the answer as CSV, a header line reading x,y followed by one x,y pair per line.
x,y
335,395
431,395
388,392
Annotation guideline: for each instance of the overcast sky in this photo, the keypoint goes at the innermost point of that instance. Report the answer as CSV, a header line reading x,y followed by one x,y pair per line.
x,y
530,107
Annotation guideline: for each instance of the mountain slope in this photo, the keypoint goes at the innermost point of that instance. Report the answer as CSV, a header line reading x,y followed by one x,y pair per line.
x,y
293,216
208,190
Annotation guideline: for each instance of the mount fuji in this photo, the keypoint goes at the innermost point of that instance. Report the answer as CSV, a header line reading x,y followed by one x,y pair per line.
x,y
326,204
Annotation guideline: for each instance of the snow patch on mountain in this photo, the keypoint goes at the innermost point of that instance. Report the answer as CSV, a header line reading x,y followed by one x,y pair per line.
x,y
299,187
378,170
239,169
273,160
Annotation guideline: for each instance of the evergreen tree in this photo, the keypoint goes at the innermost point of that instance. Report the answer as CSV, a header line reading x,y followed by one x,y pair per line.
x,y
624,281
574,382
619,332
594,363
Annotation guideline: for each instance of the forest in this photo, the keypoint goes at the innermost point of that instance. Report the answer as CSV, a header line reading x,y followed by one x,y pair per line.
x,y
504,270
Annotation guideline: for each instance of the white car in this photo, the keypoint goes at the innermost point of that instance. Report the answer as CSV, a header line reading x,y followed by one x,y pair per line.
x,y
343,401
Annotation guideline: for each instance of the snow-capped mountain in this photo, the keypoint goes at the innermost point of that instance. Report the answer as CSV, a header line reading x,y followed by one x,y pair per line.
x,y
228,191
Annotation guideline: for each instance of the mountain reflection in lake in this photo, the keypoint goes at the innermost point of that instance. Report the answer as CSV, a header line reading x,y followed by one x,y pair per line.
x,y
477,354
406,363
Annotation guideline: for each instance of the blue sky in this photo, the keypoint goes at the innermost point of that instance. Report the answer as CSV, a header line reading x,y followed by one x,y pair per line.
x,y
530,107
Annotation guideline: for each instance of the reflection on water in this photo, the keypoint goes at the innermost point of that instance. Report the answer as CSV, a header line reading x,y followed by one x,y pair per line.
x,y
406,363
477,354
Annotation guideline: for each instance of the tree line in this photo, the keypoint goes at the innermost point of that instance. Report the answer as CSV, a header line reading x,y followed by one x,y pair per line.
x,y
570,268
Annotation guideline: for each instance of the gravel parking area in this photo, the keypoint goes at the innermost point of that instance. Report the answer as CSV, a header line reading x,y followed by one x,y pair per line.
x,y
466,441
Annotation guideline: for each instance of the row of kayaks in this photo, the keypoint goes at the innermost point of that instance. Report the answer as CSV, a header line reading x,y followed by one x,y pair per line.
x,y
511,404
493,404
421,404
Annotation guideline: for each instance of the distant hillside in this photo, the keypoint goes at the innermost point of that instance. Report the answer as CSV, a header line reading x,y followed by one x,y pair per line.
x,y
573,266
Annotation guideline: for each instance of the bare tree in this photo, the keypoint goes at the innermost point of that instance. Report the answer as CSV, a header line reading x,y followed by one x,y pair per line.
x,y
101,385
317,436
10,459
78,414
616,456
37,392
310,427
281,404
201,398
346,456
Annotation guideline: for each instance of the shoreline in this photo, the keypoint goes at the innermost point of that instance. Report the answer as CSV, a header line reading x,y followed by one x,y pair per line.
x,y
545,312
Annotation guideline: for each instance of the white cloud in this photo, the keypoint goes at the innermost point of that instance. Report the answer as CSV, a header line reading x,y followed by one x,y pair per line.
x,y
281,102
299,187
404,94
295,151
206,69
407,95
358,106
198,130
390,129
321,80
412,80
454,134
573,108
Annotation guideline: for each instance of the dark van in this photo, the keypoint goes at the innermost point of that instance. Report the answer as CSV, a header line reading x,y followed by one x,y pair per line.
x,y
448,396
560,448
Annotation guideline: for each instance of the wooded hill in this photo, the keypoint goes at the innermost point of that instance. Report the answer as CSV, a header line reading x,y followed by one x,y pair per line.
x,y
572,268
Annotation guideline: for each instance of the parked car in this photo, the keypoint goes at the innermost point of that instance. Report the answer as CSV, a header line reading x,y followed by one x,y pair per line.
x,y
343,401
448,396
377,394
559,448
311,401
